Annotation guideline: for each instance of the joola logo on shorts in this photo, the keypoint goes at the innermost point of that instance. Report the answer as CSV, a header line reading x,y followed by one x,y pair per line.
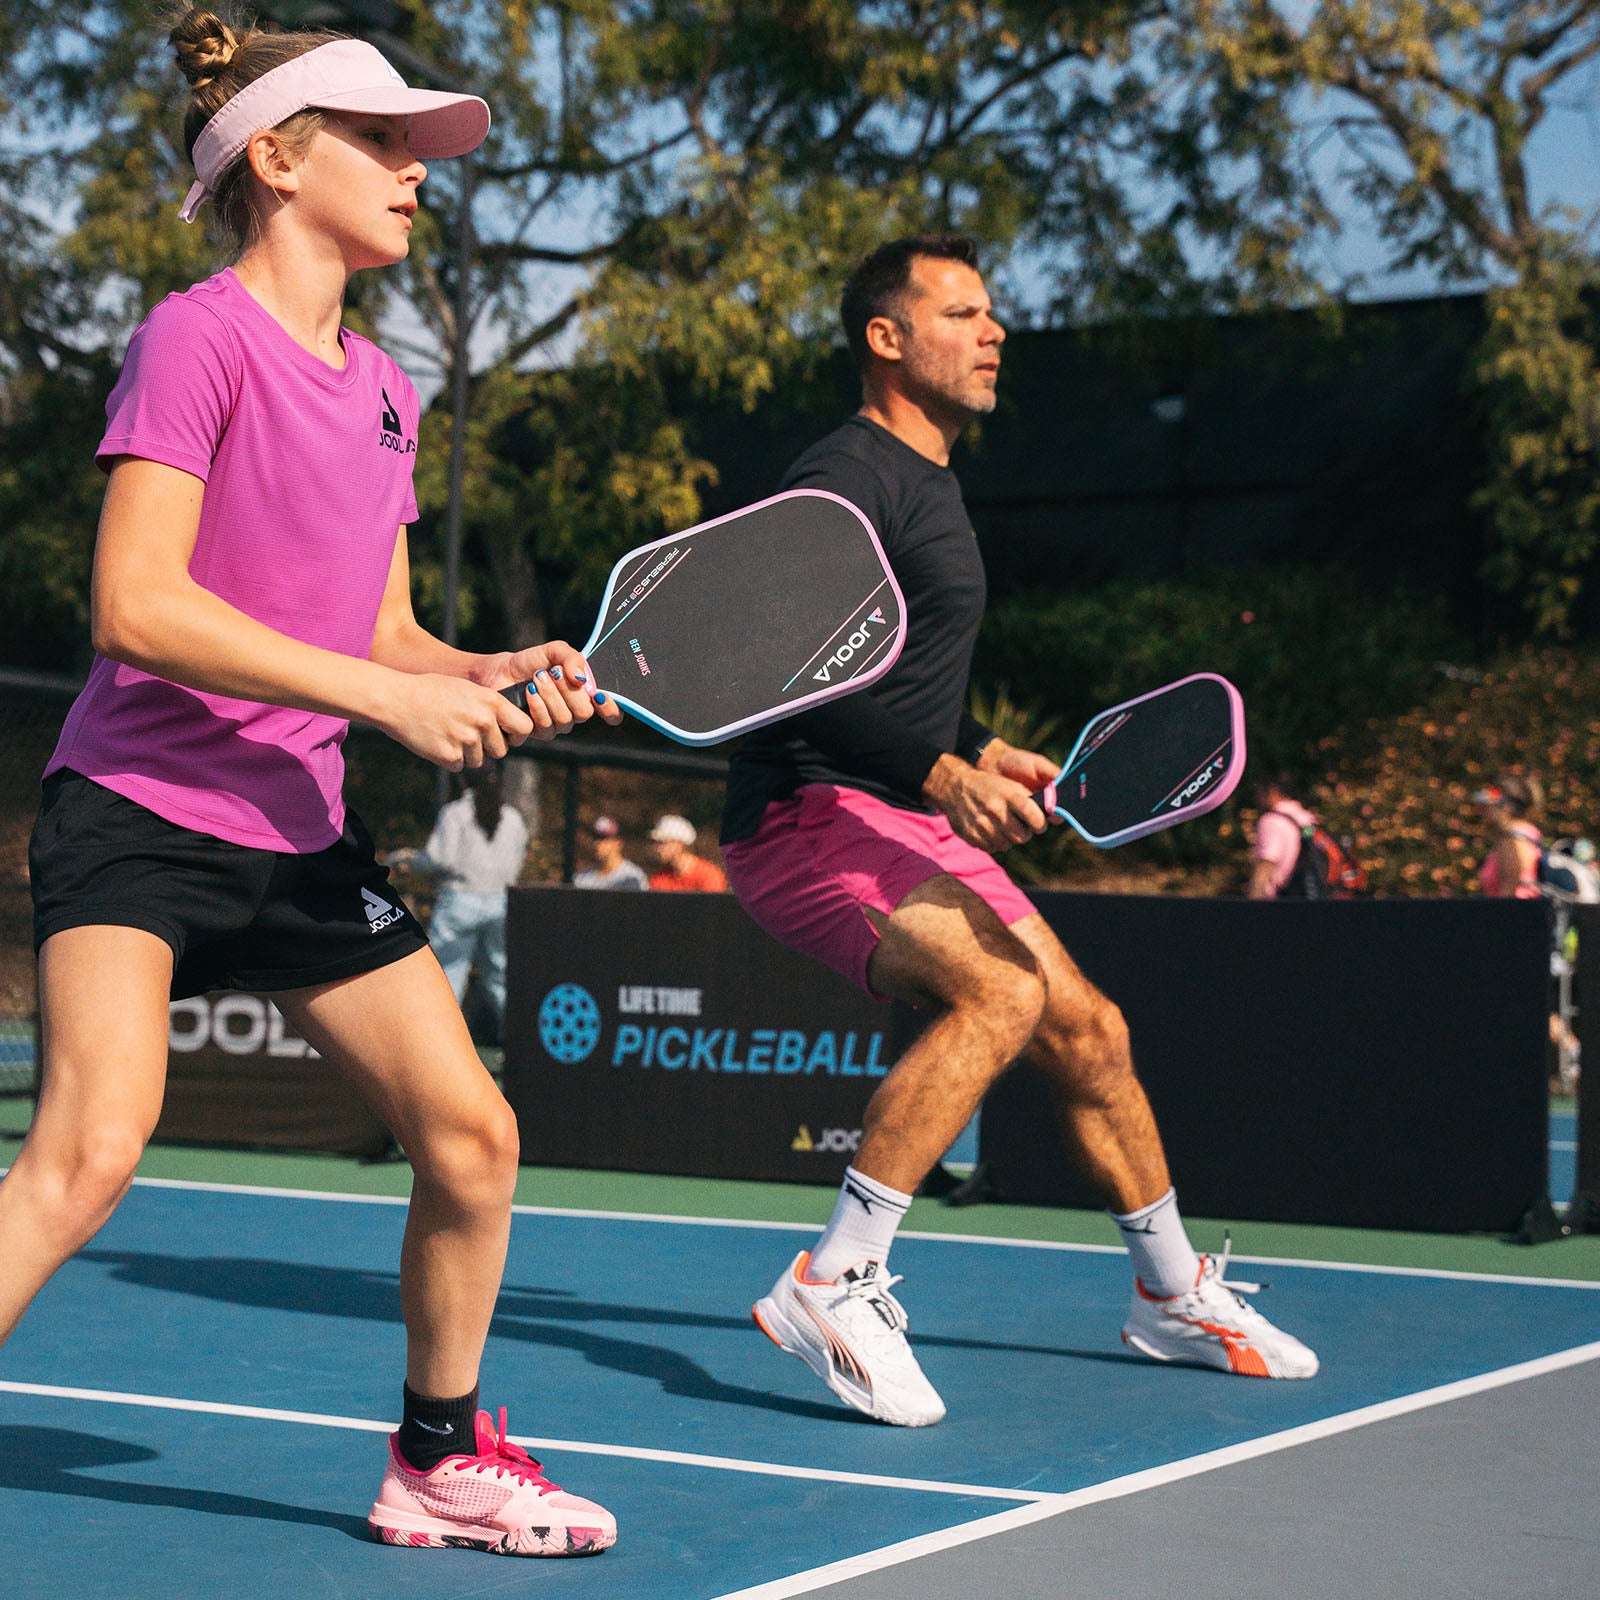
x,y
379,912
1201,780
846,652
392,436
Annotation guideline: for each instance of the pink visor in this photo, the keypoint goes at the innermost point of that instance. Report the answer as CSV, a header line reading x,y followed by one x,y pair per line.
x,y
347,75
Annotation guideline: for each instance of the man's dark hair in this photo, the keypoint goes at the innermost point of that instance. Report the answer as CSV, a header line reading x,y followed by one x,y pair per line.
x,y
876,286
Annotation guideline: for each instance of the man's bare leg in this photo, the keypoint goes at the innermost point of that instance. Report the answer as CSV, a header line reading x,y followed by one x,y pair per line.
x,y
945,951
1081,1046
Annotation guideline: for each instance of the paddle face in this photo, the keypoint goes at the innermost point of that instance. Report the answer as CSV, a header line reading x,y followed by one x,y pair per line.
x,y
748,618
1149,763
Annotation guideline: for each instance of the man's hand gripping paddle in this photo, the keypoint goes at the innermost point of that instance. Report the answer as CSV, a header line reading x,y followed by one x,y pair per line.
x,y
1149,763
746,619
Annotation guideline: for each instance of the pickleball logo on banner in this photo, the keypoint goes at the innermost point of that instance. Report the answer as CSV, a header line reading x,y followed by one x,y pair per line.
x,y
569,1023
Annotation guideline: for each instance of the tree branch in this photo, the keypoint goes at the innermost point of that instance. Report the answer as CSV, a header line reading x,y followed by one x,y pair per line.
x,y
548,329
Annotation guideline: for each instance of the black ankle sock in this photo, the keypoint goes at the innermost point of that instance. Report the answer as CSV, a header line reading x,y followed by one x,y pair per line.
x,y
432,1429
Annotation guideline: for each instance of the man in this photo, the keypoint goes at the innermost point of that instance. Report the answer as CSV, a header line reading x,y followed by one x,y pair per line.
x,y
612,868
864,834
681,868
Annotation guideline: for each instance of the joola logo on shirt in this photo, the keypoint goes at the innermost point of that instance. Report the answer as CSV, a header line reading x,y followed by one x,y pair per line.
x,y
393,435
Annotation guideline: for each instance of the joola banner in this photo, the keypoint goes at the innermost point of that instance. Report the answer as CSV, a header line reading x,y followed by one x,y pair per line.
x,y
238,1074
666,1033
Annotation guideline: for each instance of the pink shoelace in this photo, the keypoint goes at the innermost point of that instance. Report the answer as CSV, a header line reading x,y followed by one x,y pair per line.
x,y
510,1459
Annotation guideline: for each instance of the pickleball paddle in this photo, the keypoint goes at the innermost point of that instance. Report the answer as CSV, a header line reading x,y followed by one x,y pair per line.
x,y
746,619
1149,763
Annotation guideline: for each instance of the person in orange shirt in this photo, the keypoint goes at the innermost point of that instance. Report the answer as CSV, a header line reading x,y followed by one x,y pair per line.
x,y
673,841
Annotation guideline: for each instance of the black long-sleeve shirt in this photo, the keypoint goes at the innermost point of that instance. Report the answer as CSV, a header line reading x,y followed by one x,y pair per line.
x,y
886,739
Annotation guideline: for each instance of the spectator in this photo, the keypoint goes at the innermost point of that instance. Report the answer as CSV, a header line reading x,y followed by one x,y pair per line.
x,y
681,868
476,848
612,868
1280,832
1511,867
1511,870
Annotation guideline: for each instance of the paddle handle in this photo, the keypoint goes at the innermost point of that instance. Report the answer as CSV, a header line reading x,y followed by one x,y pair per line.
x,y
517,694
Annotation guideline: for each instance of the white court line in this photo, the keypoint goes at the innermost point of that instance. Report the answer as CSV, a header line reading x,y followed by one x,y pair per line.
x,y
903,1233
1155,1477
677,1458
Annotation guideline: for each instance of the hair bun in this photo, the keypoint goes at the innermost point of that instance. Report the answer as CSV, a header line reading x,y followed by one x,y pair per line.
x,y
205,45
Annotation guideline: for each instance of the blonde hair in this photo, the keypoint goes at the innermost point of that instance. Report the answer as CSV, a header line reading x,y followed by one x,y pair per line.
x,y
218,59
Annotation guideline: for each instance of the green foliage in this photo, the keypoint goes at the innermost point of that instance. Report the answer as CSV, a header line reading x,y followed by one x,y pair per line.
x,y
50,492
1541,388
1307,648
1400,786
1435,105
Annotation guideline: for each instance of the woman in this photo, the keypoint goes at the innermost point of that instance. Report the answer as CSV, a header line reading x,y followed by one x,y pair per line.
x,y
251,594
1511,867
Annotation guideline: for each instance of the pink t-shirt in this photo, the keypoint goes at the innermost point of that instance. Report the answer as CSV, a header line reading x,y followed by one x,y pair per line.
x,y
308,480
1278,838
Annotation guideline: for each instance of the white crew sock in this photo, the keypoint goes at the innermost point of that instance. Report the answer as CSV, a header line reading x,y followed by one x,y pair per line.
x,y
862,1226
1163,1259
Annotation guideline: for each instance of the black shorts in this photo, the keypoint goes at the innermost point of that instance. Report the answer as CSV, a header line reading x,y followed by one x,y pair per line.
x,y
236,917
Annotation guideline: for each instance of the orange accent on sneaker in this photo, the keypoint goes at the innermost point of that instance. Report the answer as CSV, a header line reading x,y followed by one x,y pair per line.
x,y
1246,1360
801,1263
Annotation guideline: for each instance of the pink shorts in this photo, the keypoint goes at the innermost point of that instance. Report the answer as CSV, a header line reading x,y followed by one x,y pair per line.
x,y
823,857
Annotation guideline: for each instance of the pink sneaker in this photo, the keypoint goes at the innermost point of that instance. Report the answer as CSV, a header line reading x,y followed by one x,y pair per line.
x,y
497,1500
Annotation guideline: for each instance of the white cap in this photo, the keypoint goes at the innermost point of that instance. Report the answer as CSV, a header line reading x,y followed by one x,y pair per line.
x,y
347,75
673,828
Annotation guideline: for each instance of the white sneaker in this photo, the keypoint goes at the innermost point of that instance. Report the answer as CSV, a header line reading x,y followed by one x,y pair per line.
x,y
852,1334
1213,1325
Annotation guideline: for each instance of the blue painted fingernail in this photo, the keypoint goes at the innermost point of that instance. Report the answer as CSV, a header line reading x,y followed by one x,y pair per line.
x,y
599,697
578,677
555,672
541,673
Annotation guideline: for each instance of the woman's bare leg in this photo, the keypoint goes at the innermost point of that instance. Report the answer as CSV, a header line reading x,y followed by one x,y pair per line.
x,y
103,995
398,1035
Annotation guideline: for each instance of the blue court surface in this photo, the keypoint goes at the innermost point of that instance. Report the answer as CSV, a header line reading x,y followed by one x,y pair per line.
x,y
196,1405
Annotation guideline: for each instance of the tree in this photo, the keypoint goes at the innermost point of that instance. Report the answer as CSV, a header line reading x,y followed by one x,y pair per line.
x,y
1434,104
672,190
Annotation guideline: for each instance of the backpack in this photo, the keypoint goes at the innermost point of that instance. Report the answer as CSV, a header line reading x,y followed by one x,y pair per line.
x,y
1325,868
1563,874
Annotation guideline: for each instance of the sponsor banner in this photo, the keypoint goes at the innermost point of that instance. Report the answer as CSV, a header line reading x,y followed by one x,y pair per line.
x,y
1352,1063
239,1074
670,1035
